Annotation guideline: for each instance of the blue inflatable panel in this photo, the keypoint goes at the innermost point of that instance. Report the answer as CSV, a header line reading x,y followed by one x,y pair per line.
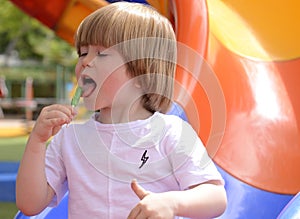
x,y
245,201
177,110
9,167
8,174
59,212
292,210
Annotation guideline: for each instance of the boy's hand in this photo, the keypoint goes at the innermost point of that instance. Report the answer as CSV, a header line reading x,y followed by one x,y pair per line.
x,y
152,205
51,120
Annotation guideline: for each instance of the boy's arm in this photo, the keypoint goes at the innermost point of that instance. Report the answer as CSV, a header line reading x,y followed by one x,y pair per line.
x,y
206,200
33,193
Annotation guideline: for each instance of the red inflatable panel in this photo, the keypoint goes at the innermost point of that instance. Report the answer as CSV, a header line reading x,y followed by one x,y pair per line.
x,y
261,141
47,12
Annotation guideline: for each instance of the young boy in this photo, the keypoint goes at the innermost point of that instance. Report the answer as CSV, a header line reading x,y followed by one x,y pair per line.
x,y
129,159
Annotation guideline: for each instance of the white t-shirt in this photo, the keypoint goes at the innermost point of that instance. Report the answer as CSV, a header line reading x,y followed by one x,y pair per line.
x,y
96,162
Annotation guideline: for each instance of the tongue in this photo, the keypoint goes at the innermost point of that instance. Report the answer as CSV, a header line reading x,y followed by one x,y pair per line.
x,y
88,89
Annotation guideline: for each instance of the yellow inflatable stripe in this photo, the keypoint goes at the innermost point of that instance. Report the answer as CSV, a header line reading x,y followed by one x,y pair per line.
x,y
161,5
268,30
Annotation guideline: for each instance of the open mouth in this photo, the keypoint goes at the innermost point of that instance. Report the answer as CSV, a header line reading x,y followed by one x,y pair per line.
x,y
88,87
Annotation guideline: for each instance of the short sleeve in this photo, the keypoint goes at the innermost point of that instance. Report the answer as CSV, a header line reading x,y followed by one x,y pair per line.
x,y
190,161
55,171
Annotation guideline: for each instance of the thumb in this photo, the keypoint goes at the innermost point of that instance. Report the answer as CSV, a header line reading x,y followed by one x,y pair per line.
x,y
138,190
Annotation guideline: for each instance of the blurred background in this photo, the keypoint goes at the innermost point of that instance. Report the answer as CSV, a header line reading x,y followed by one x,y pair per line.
x,y
36,65
36,69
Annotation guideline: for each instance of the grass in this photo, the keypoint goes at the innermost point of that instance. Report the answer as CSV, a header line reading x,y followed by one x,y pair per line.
x,y
7,210
11,149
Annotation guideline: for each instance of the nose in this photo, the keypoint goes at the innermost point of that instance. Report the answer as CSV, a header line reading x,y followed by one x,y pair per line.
x,y
82,64
88,61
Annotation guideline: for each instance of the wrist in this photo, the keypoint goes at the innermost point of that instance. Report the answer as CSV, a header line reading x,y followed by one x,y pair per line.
x,y
174,199
36,141
180,203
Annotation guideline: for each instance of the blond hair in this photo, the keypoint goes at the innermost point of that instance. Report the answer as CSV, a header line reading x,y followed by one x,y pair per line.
x,y
146,41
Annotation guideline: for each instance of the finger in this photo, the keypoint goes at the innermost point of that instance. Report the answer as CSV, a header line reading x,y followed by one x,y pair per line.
x,y
52,118
57,111
58,107
55,118
134,213
141,215
137,213
66,109
138,190
55,130
54,122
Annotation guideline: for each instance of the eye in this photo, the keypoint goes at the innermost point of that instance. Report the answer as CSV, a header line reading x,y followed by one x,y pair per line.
x,y
82,54
83,51
99,53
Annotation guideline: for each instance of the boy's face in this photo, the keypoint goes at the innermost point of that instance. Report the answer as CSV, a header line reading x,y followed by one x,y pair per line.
x,y
102,75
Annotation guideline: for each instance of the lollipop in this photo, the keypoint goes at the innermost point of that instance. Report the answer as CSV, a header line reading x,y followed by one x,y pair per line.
x,y
76,97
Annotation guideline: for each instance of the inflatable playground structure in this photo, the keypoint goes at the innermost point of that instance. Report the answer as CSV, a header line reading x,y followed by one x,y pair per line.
x,y
237,83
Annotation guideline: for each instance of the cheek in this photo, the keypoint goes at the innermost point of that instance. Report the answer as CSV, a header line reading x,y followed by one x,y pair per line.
x,y
110,86
116,81
78,69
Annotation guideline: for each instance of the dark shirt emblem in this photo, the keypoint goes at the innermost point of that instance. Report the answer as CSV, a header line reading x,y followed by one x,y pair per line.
x,y
144,159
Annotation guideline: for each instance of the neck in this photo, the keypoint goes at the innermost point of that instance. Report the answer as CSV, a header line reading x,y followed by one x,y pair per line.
x,y
123,114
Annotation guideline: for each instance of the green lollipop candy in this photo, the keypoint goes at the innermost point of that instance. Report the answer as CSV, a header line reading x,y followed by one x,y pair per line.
x,y
76,97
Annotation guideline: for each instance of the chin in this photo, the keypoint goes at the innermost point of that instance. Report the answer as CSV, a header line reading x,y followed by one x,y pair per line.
x,y
89,106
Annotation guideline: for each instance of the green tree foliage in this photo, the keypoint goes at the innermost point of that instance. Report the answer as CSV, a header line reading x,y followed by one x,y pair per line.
x,y
30,39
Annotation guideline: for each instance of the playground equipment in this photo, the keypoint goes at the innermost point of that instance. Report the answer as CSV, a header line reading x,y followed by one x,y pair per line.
x,y
241,98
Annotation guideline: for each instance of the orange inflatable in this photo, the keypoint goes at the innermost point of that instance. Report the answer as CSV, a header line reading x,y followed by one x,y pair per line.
x,y
256,56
